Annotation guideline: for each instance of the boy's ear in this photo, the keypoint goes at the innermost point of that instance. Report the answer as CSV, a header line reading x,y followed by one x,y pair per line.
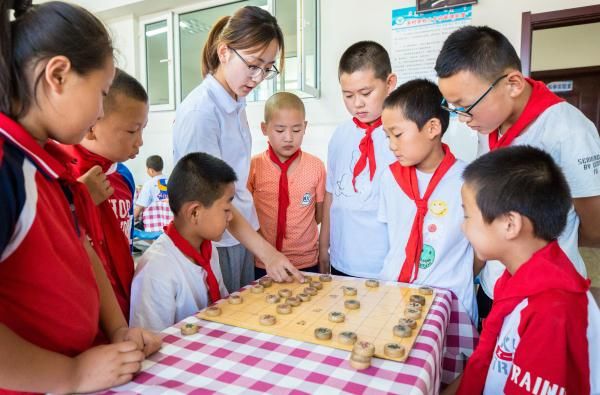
x,y
305,125
192,212
513,225
55,72
516,82
391,82
433,128
263,127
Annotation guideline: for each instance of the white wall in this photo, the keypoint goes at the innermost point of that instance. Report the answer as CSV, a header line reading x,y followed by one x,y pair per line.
x,y
343,22
576,44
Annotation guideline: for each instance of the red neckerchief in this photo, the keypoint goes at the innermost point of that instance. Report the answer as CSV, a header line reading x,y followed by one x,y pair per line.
x,y
367,150
284,194
406,177
111,245
201,258
51,161
541,98
548,268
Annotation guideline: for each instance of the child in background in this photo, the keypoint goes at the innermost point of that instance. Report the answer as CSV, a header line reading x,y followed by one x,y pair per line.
x,y
53,289
420,200
543,333
240,53
352,240
179,274
154,189
116,137
479,70
288,185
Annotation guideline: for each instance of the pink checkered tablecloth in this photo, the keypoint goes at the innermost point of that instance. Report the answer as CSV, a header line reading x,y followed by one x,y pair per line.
x,y
156,216
222,359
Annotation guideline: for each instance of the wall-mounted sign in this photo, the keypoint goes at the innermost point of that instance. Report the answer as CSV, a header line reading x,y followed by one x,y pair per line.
x,y
432,5
560,86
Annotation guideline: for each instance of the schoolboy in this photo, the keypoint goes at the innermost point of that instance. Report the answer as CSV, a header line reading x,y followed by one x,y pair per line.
x,y
180,274
155,188
352,239
288,185
480,77
420,196
543,333
116,137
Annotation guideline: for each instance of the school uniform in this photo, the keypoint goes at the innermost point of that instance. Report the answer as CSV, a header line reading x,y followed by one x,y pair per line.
x,y
305,188
210,120
48,291
358,242
446,260
168,287
542,335
113,217
572,140
154,189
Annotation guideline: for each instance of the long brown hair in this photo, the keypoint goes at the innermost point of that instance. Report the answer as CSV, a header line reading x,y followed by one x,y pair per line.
x,y
40,32
248,27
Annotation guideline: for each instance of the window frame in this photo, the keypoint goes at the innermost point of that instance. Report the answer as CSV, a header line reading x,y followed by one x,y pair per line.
x,y
147,20
173,46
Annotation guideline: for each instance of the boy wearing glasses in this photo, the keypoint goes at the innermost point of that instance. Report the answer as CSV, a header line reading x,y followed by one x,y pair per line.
x,y
480,77
419,199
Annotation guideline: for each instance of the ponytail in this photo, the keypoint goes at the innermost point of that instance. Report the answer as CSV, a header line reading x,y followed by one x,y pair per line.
x,y
210,57
38,33
249,27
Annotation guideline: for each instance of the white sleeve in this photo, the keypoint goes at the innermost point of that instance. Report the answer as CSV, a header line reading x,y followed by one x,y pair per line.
x,y
577,152
152,300
145,197
382,208
331,158
196,131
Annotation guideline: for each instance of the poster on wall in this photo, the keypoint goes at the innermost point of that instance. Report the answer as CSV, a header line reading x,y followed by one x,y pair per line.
x,y
430,5
418,38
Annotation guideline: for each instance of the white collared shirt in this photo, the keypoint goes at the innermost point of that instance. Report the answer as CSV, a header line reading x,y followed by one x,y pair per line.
x,y
210,120
168,287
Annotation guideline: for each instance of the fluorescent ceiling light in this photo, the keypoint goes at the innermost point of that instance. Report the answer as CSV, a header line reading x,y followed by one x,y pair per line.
x,y
154,32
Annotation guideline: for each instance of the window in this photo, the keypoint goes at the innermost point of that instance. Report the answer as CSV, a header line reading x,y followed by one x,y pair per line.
x,y
157,47
169,82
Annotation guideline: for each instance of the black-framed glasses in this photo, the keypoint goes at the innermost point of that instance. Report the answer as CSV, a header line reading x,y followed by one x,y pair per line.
x,y
255,71
466,111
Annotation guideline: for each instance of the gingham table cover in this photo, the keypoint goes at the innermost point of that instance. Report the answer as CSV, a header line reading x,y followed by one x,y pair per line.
x,y
156,216
222,359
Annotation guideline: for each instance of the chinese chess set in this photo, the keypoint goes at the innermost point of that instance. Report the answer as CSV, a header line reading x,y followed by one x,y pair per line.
x,y
364,316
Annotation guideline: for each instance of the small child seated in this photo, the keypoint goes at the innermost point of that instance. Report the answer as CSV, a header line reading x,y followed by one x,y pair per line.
x,y
154,189
543,332
288,185
419,198
180,273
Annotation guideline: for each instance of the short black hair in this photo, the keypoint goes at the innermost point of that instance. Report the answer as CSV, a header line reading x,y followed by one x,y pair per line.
x,y
198,177
480,50
126,85
419,100
155,162
525,180
366,55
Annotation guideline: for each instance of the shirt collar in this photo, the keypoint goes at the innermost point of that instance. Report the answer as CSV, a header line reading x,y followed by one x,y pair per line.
x,y
224,99
43,160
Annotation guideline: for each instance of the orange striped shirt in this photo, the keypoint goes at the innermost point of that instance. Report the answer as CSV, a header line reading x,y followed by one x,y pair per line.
x,y
306,182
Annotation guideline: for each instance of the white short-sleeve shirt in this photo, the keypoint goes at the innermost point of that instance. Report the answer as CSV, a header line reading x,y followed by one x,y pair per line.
x,y
358,242
210,120
447,257
168,287
573,142
154,189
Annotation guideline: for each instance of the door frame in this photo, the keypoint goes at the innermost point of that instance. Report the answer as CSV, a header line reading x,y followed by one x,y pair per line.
x,y
548,20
